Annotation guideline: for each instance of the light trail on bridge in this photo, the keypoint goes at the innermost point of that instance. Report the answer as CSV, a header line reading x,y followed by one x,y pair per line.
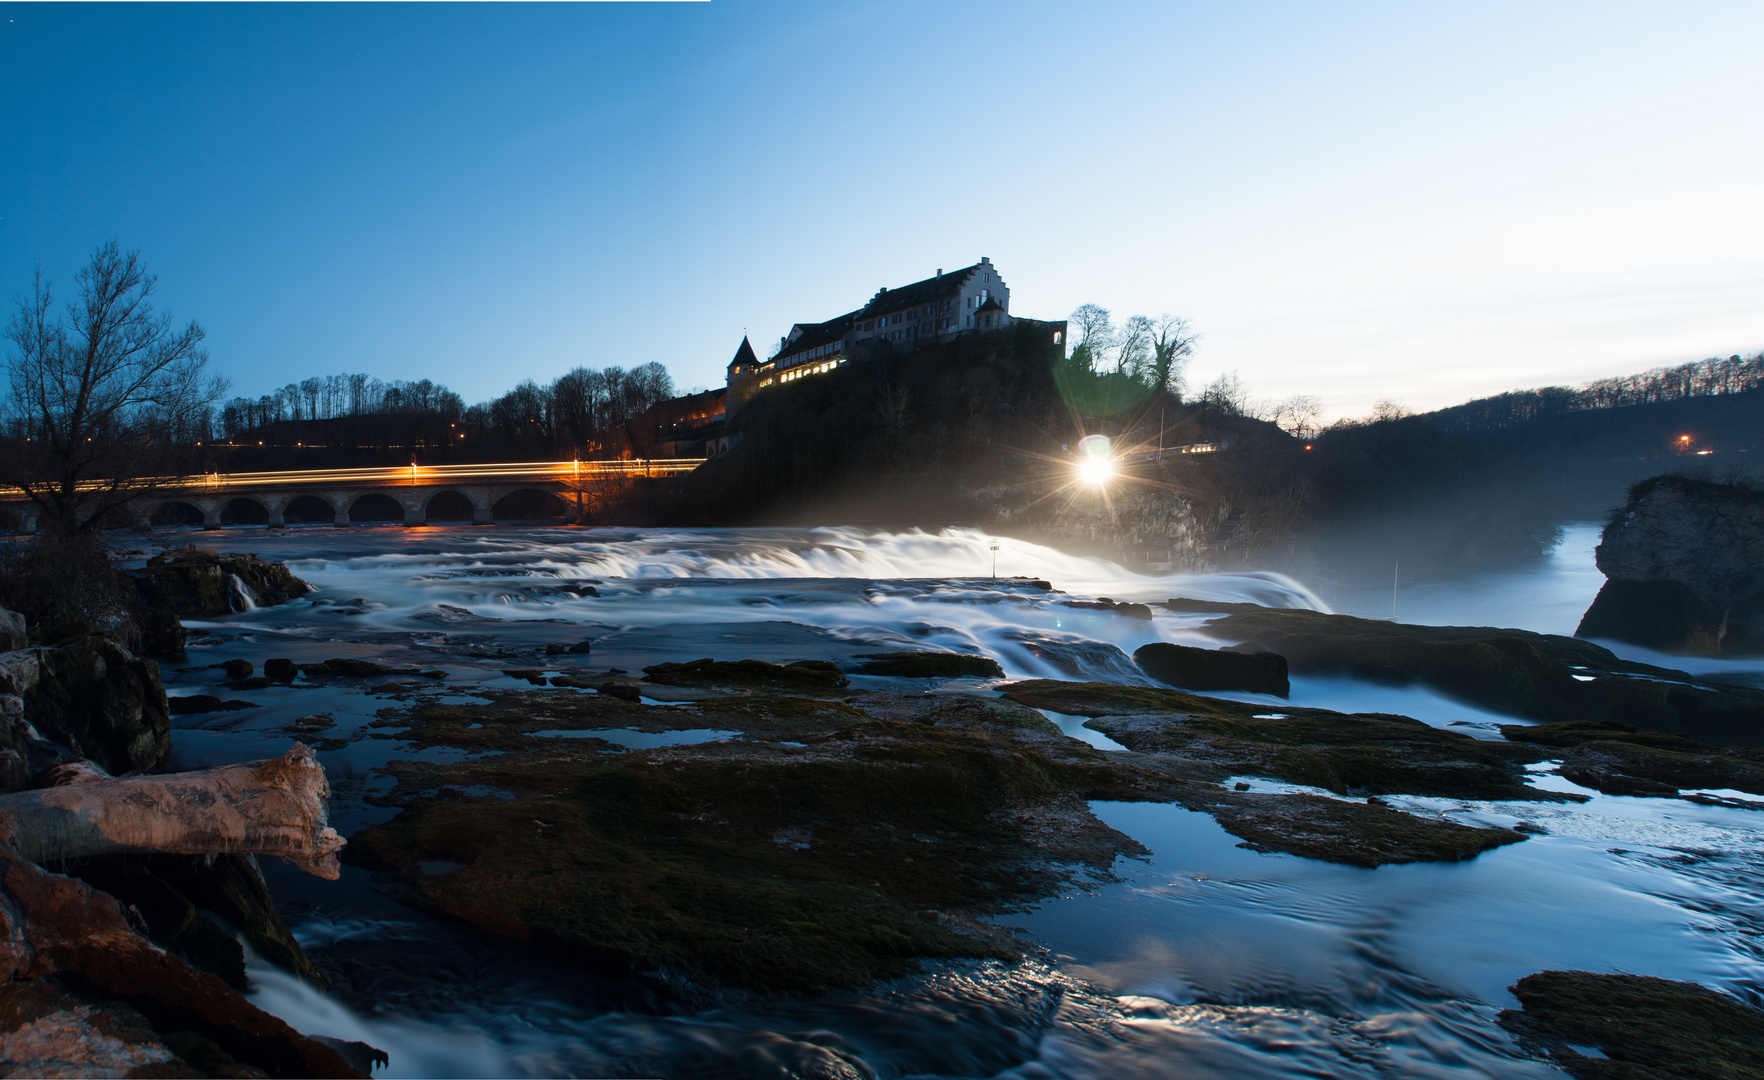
x,y
418,475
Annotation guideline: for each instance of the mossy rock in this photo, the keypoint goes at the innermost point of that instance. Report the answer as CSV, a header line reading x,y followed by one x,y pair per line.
x,y
344,667
1618,759
1351,833
162,635
1214,669
754,865
1364,753
103,703
830,843
802,675
191,581
1646,1028
925,664
1533,676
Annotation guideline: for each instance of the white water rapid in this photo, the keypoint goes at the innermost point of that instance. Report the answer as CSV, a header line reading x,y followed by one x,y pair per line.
x,y
1207,960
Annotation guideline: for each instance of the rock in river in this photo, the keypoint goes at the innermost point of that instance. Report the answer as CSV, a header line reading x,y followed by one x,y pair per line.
x,y
1229,668
1684,560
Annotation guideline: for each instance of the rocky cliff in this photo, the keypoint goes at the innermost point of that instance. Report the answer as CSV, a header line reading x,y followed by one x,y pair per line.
x,y
1684,560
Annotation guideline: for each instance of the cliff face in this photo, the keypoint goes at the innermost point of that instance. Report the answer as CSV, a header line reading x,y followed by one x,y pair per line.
x,y
1685,567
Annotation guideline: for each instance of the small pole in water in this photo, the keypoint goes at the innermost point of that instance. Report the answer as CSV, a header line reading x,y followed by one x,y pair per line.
x,y
1393,589
995,558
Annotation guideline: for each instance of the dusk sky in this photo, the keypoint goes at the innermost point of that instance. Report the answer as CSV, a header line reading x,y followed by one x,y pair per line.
x,y
1354,201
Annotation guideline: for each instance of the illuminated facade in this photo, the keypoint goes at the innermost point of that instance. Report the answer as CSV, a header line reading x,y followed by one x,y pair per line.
x,y
971,300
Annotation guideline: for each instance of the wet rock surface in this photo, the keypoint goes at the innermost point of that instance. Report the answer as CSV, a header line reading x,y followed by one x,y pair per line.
x,y
930,665
1621,760
802,675
1536,676
1684,560
97,699
1635,1027
1358,754
1214,669
830,846
61,927
780,842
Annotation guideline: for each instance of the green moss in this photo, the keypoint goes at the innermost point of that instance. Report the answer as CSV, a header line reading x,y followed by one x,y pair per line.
x,y
193,581
803,675
1621,760
931,665
1353,833
1369,753
748,864
1647,1028
104,703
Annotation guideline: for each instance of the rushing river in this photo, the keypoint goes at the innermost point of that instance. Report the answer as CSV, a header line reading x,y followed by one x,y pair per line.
x,y
1205,960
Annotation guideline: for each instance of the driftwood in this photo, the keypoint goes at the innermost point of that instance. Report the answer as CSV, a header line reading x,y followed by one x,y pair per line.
x,y
273,807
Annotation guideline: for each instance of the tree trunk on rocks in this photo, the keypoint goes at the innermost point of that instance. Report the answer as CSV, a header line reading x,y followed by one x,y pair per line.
x,y
274,807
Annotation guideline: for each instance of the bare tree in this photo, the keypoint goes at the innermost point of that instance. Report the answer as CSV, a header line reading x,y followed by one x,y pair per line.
x,y
1133,347
1172,344
1298,415
100,392
1227,395
1387,409
1096,334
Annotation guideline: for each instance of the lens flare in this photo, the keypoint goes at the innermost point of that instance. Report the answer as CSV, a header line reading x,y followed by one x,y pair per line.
x,y
1096,471
1095,465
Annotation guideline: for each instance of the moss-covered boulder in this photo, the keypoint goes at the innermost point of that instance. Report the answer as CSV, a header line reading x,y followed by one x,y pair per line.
x,y
1359,753
1533,676
194,582
1214,669
926,664
802,675
1634,1027
102,702
162,635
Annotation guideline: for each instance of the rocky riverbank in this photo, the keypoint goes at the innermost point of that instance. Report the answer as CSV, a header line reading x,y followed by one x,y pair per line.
x,y
130,962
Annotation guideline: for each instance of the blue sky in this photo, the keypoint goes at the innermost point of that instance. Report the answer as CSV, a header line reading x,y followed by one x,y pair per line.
x,y
1356,201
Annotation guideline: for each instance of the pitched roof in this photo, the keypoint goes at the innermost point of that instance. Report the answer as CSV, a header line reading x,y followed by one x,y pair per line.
x,y
814,334
744,355
991,304
919,292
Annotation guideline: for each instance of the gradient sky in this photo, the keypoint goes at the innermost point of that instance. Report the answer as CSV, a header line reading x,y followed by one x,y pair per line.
x,y
1352,200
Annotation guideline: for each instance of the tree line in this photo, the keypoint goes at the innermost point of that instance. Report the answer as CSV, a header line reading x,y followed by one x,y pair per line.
x,y
584,409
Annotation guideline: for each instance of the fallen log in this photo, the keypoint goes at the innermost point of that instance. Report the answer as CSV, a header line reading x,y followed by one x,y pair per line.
x,y
273,807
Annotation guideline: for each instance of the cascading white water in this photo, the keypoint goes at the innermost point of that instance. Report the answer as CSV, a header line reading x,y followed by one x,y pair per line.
x,y
241,596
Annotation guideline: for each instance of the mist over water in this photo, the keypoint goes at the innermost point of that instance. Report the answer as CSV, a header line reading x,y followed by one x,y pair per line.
x,y
1206,960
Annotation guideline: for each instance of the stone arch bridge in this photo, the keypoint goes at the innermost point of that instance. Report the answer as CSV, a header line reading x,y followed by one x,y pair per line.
x,y
415,495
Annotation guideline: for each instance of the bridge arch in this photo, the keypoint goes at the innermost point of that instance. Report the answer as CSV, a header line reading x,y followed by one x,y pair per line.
x,y
450,504
173,513
529,504
374,507
244,510
309,510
